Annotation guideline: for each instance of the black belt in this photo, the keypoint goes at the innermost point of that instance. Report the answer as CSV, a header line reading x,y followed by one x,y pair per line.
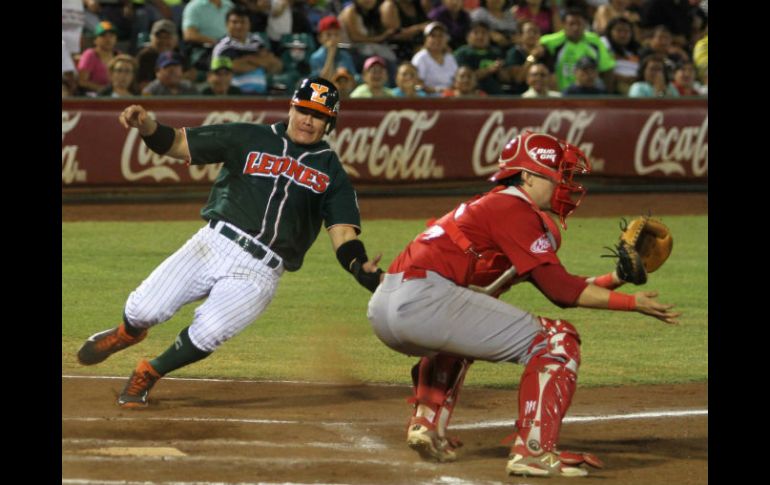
x,y
246,243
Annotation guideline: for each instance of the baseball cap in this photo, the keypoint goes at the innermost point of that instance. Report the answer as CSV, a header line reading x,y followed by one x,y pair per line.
x,y
328,22
371,61
103,27
218,63
433,26
480,23
168,58
342,72
585,62
163,25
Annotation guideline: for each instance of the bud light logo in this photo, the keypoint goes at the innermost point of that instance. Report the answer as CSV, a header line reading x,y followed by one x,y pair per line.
x,y
543,155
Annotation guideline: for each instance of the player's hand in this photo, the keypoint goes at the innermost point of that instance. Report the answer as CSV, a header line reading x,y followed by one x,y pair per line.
x,y
136,116
371,266
647,304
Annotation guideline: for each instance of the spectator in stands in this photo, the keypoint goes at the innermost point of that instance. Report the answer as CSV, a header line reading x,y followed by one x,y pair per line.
x,y
362,26
464,84
286,17
624,49
700,56
585,79
408,19
375,74
571,43
163,38
72,23
526,52
220,77
545,17
485,59
253,61
435,63
344,81
538,80
502,23
652,79
204,22
296,63
329,56
408,82
611,10
456,20
93,75
685,80
144,13
661,44
122,77
112,11
259,12
673,14
700,24
168,77
69,75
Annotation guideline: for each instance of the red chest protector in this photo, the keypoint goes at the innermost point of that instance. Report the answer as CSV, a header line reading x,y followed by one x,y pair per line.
x,y
487,265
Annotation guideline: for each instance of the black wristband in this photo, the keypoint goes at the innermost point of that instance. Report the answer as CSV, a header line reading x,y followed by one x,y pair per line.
x,y
161,140
350,251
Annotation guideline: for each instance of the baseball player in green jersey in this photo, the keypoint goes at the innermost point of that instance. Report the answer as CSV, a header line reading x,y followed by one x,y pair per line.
x,y
277,185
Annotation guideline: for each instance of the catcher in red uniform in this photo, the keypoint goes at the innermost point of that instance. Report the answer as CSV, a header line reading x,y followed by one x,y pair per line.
x,y
439,301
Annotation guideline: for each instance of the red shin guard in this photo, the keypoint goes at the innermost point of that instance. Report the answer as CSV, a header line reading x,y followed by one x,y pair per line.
x,y
437,383
547,386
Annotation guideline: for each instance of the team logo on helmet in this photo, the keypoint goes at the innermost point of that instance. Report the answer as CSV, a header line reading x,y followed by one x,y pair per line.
x,y
319,93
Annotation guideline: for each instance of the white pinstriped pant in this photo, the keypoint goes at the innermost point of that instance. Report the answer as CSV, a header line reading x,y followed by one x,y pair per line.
x,y
238,286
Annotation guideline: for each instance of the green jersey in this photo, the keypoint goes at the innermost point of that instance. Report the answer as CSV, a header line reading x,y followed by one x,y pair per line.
x,y
277,190
566,54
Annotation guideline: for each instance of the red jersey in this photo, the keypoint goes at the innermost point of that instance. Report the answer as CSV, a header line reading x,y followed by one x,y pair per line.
x,y
503,226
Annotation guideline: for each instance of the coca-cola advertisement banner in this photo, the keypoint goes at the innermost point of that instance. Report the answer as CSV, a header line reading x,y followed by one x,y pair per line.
x,y
403,141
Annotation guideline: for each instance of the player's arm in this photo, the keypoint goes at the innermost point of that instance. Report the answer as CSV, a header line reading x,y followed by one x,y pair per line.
x,y
351,254
159,138
566,289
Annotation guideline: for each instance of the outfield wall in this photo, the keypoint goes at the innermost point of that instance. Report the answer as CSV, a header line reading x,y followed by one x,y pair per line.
x,y
397,142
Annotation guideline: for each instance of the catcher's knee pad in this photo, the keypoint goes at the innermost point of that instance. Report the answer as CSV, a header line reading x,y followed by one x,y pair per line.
x,y
437,383
548,384
560,341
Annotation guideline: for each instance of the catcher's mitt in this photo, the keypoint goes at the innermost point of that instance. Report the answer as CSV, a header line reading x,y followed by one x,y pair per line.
x,y
645,244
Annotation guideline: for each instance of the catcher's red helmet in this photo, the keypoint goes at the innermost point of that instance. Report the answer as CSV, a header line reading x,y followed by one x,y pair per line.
x,y
320,95
550,157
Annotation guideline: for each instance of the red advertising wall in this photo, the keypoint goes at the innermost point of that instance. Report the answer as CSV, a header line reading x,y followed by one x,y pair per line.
x,y
398,141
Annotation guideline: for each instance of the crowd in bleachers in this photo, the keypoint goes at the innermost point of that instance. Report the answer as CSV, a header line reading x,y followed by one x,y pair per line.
x,y
386,48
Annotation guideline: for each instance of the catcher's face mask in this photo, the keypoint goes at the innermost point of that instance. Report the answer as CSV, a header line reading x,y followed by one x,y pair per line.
x,y
568,193
549,157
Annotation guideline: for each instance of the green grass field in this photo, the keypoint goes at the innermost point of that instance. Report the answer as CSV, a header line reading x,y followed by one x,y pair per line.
x,y
316,327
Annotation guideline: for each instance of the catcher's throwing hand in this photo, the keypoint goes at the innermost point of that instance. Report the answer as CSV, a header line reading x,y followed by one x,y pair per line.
x,y
136,116
646,303
645,244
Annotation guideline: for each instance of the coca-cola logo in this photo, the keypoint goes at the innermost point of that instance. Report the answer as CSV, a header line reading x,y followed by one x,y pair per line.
x,y
139,162
386,156
669,149
493,136
70,166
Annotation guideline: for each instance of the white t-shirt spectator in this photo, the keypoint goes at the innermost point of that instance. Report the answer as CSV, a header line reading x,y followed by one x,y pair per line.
x,y
72,21
435,75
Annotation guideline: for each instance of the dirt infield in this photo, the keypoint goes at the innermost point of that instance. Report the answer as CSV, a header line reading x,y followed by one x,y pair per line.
x,y
262,432
229,432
